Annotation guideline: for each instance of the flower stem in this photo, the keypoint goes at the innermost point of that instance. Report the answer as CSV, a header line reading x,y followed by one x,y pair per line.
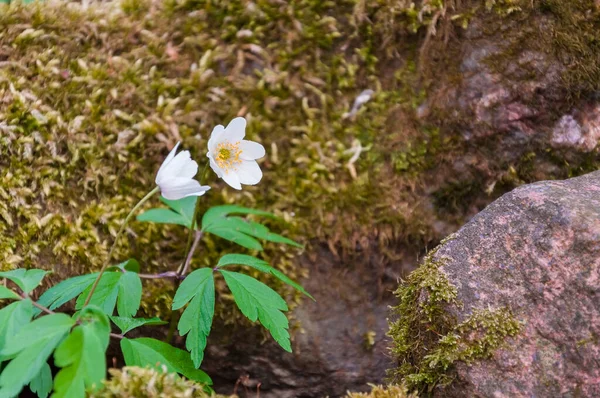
x,y
112,248
192,244
188,247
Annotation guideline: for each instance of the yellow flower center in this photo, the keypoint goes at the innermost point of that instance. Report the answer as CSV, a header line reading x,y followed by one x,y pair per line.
x,y
228,155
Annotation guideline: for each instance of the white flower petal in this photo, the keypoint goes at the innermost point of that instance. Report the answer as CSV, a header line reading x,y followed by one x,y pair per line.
x,y
235,130
249,172
233,180
189,170
215,137
251,150
213,165
178,165
178,188
167,160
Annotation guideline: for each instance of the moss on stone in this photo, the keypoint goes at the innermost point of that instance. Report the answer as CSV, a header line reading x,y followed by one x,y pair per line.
x,y
428,339
384,392
135,382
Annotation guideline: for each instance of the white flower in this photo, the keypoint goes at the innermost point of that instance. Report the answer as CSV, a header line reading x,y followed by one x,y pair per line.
x,y
232,157
175,178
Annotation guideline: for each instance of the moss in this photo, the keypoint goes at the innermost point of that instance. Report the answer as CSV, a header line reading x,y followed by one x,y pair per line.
x,y
428,340
384,392
135,382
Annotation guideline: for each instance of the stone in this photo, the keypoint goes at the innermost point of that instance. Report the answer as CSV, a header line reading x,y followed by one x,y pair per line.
x,y
535,252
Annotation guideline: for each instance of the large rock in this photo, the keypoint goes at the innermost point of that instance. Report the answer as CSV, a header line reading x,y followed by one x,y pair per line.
x,y
513,298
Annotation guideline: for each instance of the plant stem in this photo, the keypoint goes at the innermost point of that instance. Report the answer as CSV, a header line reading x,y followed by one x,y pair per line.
x,y
112,248
194,220
163,275
192,244
188,260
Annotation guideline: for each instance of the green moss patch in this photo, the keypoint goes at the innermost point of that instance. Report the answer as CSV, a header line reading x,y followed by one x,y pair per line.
x,y
131,382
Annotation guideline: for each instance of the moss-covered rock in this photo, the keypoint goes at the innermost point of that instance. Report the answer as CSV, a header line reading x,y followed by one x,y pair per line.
x,y
384,392
507,303
135,382
428,338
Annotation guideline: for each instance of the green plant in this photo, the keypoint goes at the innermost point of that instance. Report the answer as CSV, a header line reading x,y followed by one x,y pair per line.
x,y
31,331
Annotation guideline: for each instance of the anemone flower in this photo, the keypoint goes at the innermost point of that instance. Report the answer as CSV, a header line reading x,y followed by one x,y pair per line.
x,y
175,178
231,157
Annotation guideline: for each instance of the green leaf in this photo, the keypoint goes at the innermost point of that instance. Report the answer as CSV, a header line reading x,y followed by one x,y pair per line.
x,y
130,294
82,355
13,317
65,291
6,293
260,265
218,221
216,214
129,265
163,216
196,320
181,212
236,237
31,347
258,301
128,324
27,280
150,352
105,296
42,383
259,231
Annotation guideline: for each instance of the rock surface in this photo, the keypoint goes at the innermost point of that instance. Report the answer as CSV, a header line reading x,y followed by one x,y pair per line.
x,y
536,251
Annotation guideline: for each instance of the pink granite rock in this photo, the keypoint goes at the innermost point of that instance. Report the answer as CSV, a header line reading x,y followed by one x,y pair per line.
x,y
535,251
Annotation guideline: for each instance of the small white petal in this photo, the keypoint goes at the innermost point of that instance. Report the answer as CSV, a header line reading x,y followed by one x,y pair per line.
x,y
189,170
213,165
215,137
179,188
249,172
178,165
251,150
235,130
167,160
233,180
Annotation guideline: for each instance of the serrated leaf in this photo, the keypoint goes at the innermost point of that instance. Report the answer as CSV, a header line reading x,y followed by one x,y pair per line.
x,y
163,216
42,383
82,355
218,213
130,294
258,301
31,347
219,221
27,280
105,295
259,231
260,265
236,237
6,293
184,206
131,265
150,352
65,291
13,317
128,324
197,318
181,212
